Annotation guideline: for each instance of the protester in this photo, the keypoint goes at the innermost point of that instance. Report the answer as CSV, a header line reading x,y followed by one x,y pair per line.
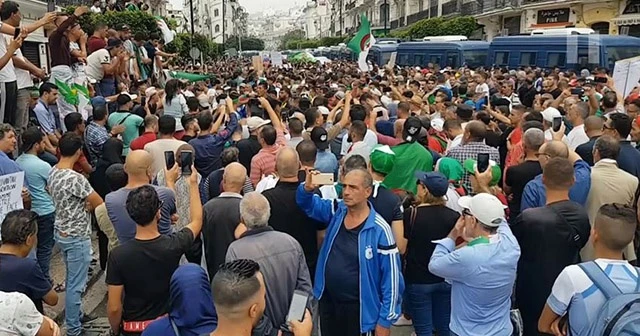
x,y
593,127
428,297
123,116
149,135
73,197
191,308
613,230
480,285
208,146
37,173
280,257
519,175
350,304
149,253
20,273
550,238
609,184
18,316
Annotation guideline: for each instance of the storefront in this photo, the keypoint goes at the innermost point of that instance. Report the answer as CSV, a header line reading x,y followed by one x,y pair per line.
x,y
628,22
561,17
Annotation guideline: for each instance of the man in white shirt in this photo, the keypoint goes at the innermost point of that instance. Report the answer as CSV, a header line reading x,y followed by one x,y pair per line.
x,y
360,147
105,62
10,14
358,112
576,115
574,292
164,142
454,131
96,7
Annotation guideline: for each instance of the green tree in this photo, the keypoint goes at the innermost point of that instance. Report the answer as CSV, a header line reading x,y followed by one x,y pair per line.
x,y
248,43
462,25
138,21
293,35
182,45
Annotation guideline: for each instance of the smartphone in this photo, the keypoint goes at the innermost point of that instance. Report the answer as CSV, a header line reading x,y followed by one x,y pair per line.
x,y
601,80
186,160
298,306
322,179
557,122
169,159
577,91
483,162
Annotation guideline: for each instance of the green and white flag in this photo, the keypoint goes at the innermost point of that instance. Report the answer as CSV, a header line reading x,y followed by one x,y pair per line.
x,y
362,42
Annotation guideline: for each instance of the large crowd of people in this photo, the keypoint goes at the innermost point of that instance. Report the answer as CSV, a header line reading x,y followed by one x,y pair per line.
x,y
460,201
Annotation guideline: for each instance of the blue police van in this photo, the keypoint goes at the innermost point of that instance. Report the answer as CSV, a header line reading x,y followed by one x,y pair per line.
x,y
454,53
565,52
380,54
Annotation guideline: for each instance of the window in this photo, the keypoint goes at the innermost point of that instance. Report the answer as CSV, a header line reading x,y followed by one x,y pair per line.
x,y
217,28
475,58
452,60
385,57
528,58
216,12
501,58
403,59
555,59
418,60
434,59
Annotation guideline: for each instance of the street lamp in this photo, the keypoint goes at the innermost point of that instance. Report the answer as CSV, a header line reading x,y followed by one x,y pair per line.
x,y
386,11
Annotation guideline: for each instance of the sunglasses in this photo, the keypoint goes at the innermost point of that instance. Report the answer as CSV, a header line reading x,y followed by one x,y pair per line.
x,y
466,212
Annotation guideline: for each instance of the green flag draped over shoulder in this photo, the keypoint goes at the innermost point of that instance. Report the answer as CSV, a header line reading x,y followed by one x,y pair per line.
x,y
362,42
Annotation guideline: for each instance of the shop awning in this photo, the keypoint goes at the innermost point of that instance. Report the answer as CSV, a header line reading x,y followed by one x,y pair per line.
x,y
627,20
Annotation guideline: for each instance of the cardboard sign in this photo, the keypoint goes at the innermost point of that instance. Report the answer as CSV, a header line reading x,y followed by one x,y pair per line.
x,y
10,193
256,61
276,58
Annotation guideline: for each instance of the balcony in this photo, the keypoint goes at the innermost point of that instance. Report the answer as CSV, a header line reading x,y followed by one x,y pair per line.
x,y
484,6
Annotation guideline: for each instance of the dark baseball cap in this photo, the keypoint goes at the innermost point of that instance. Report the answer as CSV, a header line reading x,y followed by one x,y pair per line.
x,y
435,182
411,130
123,99
320,138
464,111
113,43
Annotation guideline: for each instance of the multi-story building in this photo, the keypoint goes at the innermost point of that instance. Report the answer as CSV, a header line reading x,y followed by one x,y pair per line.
x,y
499,17
216,19
317,19
177,14
35,46
270,26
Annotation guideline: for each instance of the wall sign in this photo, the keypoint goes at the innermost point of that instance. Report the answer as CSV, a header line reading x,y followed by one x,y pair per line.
x,y
557,15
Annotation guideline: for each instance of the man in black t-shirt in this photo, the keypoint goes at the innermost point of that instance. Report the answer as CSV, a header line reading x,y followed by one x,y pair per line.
x,y
141,269
550,239
518,176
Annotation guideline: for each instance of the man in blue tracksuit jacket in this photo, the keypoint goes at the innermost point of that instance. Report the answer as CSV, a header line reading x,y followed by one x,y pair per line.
x,y
358,277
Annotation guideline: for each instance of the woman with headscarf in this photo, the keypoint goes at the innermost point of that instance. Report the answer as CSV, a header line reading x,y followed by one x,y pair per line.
x,y
191,310
111,154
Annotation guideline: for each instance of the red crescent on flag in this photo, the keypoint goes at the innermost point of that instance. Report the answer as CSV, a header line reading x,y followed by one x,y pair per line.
x,y
365,41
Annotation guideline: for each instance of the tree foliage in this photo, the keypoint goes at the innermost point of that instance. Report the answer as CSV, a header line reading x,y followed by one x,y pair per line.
x,y
182,45
248,43
462,25
139,21
293,35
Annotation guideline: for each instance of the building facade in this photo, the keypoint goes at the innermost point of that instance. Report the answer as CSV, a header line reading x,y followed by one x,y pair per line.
x,y
499,17
216,19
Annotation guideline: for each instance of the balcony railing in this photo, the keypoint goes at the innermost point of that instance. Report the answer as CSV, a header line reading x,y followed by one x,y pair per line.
x,y
484,6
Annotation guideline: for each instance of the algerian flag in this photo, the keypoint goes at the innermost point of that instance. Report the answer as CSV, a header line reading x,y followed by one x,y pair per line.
x,y
362,42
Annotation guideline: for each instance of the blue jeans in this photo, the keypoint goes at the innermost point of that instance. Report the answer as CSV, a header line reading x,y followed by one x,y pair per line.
x,y
429,306
45,242
77,257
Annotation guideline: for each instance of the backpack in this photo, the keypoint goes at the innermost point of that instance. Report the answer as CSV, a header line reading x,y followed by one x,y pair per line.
x,y
620,314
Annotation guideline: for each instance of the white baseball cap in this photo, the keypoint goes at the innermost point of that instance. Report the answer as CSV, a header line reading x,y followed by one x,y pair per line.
x,y
256,122
551,112
485,207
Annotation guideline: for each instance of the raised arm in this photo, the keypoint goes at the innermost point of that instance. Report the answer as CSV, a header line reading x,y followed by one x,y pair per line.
x,y
315,207
195,205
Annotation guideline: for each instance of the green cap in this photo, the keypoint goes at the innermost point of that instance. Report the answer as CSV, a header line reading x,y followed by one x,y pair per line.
x,y
496,174
382,159
451,168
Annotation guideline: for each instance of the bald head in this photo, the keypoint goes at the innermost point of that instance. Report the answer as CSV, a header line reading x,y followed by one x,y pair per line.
x,y
287,163
234,177
476,131
138,163
555,148
593,126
